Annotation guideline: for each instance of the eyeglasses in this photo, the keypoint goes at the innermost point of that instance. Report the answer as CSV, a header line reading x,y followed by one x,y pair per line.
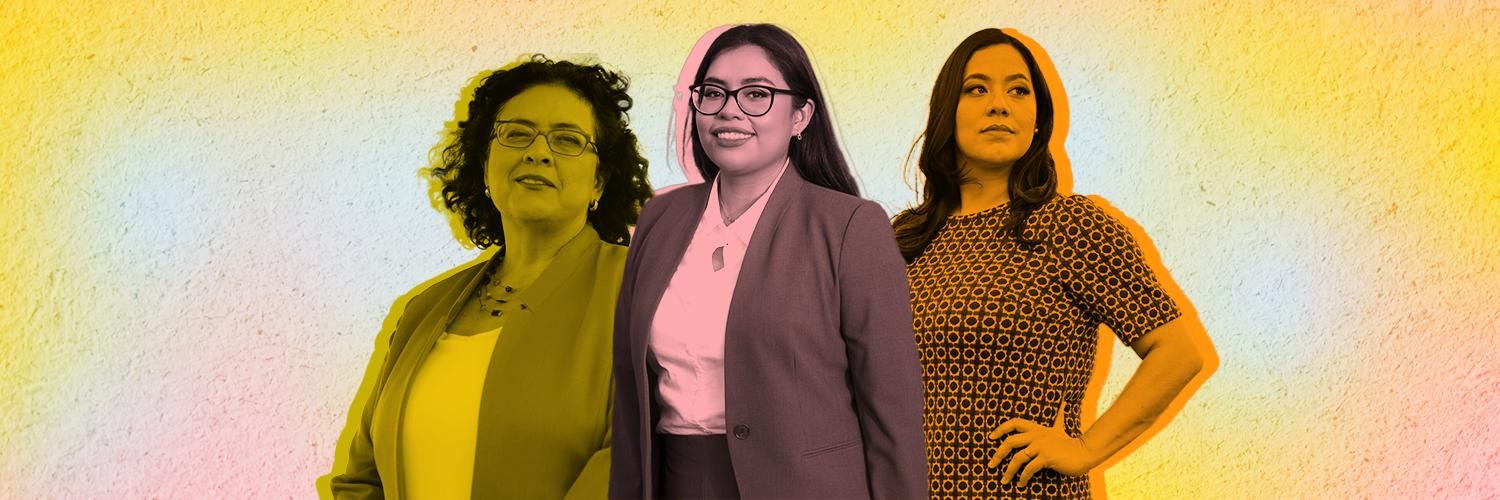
x,y
754,100
561,141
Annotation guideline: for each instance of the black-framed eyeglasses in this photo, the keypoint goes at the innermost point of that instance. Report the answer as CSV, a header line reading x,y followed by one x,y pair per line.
x,y
565,142
754,100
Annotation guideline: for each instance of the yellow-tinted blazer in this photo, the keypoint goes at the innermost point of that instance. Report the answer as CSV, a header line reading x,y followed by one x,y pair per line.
x,y
544,417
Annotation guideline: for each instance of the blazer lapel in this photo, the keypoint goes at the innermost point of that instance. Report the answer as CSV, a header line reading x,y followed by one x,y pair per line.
x,y
749,286
575,256
424,335
660,263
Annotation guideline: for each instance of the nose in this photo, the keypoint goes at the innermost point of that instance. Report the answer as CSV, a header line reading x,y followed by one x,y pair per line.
x,y
731,109
539,151
998,107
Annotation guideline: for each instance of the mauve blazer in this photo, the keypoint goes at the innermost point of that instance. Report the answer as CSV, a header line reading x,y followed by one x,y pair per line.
x,y
823,389
544,409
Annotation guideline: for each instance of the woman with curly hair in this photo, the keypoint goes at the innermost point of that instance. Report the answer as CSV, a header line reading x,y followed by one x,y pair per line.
x,y
497,378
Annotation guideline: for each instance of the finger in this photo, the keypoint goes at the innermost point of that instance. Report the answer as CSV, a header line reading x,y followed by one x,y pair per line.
x,y
1016,462
1004,428
1034,466
1013,425
1013,442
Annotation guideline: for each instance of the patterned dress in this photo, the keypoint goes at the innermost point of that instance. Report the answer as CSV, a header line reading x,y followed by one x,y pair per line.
x,y
1007,330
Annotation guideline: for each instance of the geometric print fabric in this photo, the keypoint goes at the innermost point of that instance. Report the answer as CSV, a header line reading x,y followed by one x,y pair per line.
x,y
1009,330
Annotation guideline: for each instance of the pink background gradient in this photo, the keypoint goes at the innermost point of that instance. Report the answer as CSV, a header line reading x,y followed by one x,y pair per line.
x,y
209,207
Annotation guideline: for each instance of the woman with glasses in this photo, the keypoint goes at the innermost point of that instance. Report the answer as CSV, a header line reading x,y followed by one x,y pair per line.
x,y
763,342
1010,283
496,383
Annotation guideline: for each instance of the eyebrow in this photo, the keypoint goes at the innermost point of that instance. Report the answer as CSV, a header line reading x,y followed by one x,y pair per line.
x,y
555,125
743,82
982,76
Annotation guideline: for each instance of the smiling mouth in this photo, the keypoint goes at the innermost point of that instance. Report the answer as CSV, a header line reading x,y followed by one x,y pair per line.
x,y
733,135
534,180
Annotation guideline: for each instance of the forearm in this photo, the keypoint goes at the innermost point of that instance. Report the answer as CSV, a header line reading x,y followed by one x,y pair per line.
x,y
1162,375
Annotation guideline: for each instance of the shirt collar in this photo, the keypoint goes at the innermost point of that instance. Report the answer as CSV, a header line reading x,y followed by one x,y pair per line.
x,y
743,227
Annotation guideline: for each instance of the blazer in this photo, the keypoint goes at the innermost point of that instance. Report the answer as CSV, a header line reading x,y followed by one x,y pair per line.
x,y
544,408
823,388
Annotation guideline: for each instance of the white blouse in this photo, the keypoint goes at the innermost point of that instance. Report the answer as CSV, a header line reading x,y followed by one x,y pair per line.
x,y
687,334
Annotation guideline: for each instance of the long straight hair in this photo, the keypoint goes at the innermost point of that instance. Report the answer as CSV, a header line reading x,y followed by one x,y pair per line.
x,y
1033,178
817,155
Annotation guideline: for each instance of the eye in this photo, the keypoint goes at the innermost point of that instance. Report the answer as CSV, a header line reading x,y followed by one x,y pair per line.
x,y
712,92
757,93
1020,91
570,139
515,133
976,89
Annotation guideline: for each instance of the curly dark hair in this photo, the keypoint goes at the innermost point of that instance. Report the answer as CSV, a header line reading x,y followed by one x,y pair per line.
x,y
459,168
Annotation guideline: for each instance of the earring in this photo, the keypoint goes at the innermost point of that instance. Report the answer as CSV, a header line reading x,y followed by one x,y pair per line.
x,y
594,205
1035,130
486,191
799,136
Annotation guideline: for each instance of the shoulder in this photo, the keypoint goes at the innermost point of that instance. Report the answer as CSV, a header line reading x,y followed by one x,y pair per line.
x,y
1080,222
857,224
611,260
841,207
667,197
1067,213
457,276
425,297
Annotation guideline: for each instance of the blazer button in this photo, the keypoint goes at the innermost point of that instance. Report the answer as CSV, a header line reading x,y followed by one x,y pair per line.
x,y
742,432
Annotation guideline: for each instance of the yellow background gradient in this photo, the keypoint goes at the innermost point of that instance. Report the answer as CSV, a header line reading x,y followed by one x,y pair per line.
x,y
208,207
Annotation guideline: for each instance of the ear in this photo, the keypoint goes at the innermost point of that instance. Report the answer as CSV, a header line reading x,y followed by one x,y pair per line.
x,y
802,116
600,179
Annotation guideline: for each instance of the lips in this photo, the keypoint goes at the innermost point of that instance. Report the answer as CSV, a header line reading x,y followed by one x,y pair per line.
x,y
731,136
533,180
998,127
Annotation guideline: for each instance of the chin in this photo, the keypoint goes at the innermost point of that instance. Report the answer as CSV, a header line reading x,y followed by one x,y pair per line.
x,y
735,163
1000,157
532,214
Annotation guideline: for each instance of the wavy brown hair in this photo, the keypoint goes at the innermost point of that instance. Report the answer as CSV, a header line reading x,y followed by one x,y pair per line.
x,y
1033,177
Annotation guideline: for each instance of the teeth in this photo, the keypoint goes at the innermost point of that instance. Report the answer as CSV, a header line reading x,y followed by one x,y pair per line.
x,y
533,182
732,135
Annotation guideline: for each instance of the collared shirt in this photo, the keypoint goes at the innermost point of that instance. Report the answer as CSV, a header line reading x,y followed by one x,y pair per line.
x,y
687,333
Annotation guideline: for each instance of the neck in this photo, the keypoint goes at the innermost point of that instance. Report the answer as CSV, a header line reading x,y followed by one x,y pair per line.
x,y
982,188
738,192
530,246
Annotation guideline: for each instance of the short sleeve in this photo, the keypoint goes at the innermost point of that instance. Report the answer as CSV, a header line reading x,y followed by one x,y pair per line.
x,y
1104,269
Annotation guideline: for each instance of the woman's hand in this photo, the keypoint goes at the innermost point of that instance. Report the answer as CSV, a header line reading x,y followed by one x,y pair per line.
x,y
1040,447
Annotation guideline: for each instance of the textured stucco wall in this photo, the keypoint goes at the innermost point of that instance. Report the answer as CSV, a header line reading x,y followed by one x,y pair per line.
x,y
208,208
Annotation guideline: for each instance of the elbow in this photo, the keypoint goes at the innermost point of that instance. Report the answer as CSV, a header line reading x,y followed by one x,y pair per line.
x,y
1193,362
1188,360
1205,359
1193,353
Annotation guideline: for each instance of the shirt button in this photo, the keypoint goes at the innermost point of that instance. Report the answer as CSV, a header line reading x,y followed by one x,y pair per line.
x,y
742,432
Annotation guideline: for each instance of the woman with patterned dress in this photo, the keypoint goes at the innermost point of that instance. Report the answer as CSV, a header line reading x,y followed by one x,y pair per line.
x,y
1010,282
